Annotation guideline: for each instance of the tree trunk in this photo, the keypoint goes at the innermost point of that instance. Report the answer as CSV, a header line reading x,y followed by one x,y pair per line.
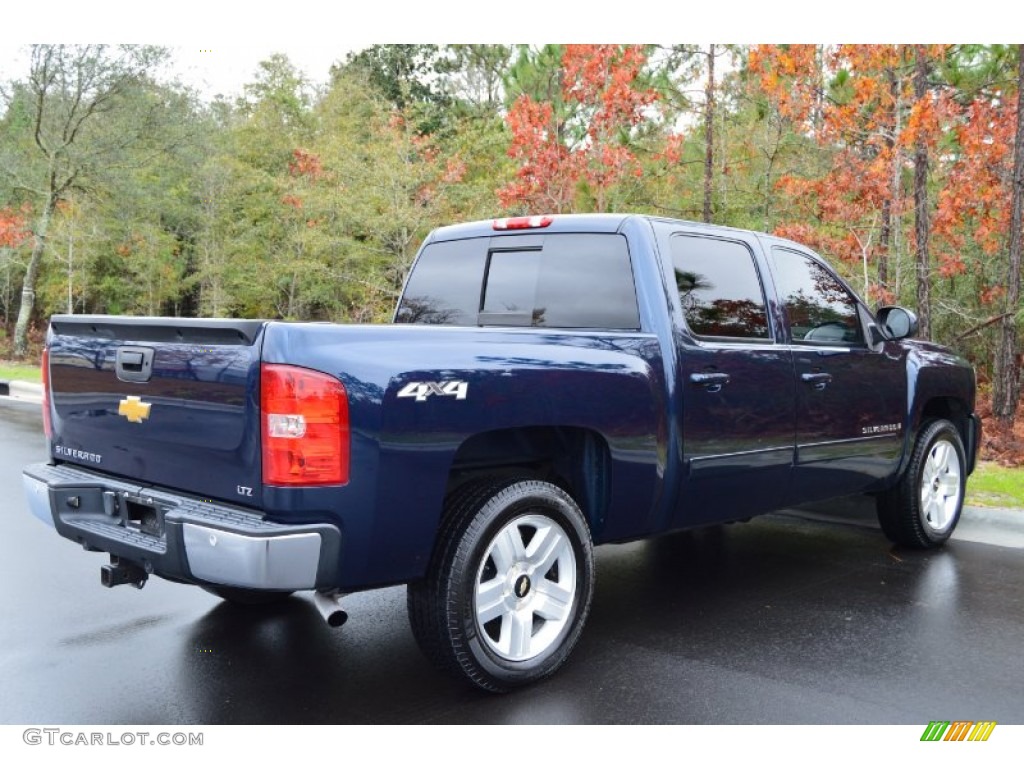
x,y
885,237
709,134
1006,383
71,265
771,157
28,286
818,96
921,220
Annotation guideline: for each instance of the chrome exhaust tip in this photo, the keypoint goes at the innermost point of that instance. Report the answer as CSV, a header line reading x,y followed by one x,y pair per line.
x,y
329,605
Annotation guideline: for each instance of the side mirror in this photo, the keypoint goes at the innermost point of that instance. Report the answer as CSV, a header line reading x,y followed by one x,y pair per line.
x,y
900,323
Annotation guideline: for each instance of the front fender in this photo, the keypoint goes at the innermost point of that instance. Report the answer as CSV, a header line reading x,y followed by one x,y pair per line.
x,y
940,384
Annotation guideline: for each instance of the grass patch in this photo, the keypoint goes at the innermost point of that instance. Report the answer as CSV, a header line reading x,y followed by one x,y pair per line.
x,y
993,485
20,371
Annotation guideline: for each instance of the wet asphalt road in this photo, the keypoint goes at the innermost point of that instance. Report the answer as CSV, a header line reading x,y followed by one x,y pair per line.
x,y
781,620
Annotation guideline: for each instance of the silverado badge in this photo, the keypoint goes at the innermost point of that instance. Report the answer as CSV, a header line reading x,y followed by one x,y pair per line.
x,y
133,409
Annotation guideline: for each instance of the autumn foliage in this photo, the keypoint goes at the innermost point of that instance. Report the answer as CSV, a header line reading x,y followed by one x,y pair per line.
x,y
894,161
305,163
588,143
791,75
13,227
974,204
859,103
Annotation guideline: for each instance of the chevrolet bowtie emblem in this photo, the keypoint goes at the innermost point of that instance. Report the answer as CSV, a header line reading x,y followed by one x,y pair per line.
x,y
133,409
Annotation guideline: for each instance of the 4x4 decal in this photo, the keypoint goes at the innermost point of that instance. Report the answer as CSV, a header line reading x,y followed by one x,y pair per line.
x,y
421,390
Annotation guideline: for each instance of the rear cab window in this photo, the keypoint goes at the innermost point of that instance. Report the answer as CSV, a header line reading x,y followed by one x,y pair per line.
x,y
569,281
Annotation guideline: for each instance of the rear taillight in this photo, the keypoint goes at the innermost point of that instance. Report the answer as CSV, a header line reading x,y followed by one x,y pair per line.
x,y
47,419
305,427
523,222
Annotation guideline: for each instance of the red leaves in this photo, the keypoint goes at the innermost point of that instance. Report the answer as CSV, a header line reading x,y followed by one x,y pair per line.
x,y
803,233
992,294
605,76
880,295
601,94
546,169
951,265
13,227
672,154
790,75
975,201
928,116
455,170
845,203
305,164
871,123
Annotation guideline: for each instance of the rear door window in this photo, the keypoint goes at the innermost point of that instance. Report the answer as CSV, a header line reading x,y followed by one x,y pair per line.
x,y
719,289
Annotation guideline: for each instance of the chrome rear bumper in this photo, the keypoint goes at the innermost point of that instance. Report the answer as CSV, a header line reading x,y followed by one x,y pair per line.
x,y
180,537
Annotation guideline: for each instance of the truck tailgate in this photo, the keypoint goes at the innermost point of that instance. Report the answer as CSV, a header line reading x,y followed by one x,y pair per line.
x,y
163,401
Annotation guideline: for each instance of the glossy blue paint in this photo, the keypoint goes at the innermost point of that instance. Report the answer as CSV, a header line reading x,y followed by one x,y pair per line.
x,y
937,379
660,444
403,450
202,431
736,437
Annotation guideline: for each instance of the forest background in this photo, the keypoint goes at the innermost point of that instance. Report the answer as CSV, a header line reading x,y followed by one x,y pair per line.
x,y
123,191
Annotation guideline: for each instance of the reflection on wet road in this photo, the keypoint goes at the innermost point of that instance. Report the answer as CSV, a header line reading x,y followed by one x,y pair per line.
x,y
782,620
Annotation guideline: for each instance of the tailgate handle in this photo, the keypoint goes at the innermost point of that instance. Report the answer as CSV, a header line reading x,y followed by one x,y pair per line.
x,y
131,361
134,363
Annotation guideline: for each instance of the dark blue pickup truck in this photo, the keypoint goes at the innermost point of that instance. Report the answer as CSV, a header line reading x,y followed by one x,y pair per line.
x,y
549,384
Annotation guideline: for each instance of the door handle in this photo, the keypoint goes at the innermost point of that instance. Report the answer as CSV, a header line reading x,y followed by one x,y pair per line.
x,y
712,382
819,380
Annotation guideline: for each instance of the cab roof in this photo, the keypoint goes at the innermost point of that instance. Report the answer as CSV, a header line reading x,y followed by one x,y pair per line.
x,y
574,223
569,222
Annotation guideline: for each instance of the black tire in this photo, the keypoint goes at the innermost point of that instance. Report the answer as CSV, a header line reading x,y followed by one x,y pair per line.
x,y
922,510
246,597
536,619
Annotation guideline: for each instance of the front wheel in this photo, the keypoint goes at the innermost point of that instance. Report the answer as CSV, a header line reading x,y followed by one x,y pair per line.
x,y
924,508
509,587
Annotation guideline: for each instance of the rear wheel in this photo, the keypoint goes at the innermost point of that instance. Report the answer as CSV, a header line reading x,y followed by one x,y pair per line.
x,y
509,587
923,509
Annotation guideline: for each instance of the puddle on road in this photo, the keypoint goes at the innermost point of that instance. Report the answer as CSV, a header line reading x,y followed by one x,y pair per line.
x,y
116,632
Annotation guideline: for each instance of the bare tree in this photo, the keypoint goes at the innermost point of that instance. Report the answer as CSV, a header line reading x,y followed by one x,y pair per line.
x,y
70,92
